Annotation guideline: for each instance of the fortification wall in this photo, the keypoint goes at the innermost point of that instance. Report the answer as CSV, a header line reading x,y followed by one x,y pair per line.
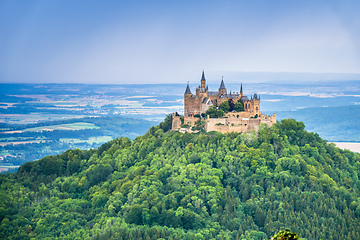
x,y
191,120
176,122
238,115
238,122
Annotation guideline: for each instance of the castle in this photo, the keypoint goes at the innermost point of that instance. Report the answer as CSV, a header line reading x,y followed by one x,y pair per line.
x,y
195,107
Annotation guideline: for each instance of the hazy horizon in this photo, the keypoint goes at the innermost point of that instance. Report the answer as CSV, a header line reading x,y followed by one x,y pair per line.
x,y
232,77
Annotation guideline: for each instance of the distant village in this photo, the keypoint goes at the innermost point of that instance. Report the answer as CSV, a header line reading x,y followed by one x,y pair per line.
x,y
220,111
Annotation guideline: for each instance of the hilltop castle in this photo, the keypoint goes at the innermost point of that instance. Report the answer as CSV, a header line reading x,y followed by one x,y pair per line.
x,y
200,103
196,106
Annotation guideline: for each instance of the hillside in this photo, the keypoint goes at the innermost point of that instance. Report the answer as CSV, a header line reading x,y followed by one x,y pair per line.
x,y
188,186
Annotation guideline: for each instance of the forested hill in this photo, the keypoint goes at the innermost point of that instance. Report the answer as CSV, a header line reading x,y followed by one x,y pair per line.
x,y
188,186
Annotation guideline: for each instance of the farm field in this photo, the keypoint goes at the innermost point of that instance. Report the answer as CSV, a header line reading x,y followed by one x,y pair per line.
x,y
20,142
47,119
28,142
91,140
70,126
6,168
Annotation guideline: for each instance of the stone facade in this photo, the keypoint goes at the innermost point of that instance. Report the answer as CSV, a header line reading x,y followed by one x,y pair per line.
x,y
199,103
233,123
195,105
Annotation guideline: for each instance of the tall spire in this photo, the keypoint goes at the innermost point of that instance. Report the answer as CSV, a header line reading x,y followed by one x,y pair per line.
x,y
187,91
203,76
222,85
241,92
203,81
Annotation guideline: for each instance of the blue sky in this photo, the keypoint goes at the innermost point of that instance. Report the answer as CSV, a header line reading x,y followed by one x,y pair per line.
x,y
172,41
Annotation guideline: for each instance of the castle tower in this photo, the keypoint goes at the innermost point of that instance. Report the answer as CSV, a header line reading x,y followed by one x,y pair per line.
x,y
187,100
222,88
187,91
255,105
203,80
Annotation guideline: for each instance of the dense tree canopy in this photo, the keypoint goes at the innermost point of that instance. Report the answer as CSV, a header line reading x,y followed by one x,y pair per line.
x,y
239,107
214,113
188,186
225,106
230,106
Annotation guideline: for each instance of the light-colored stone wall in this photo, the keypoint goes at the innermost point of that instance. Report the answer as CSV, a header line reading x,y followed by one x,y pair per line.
x,y
238,122
191,120
205,106
176,122
232,122
238,115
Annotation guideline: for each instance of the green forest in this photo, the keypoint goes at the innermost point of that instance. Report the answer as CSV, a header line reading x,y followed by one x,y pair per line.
x,y
169,185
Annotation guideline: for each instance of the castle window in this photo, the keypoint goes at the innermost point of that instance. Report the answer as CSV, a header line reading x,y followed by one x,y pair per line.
x,y
256,108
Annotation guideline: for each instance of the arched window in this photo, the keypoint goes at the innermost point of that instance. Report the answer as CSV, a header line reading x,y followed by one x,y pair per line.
x,y
257,108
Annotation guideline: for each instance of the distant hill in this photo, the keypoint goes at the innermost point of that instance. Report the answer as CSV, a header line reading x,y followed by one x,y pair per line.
x,y
188,186
340,123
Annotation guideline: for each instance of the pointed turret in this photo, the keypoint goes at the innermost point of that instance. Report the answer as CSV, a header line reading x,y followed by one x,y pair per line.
x,y
203,76
222,88
241,91
222,85
187,91
203,80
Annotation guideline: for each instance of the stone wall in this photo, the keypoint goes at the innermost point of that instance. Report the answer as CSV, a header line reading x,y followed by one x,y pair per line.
x,y
176,122
238,122
232,122
191,120
191,105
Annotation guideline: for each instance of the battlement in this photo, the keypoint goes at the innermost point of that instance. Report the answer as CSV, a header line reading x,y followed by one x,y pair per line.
x,y
232,122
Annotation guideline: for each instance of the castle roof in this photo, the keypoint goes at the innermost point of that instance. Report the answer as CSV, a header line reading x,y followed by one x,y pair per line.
x,y
230,95
187,91
244,98
222,85
205,99
203,76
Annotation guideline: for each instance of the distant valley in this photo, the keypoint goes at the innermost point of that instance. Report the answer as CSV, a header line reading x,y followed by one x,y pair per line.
x,y
50,118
